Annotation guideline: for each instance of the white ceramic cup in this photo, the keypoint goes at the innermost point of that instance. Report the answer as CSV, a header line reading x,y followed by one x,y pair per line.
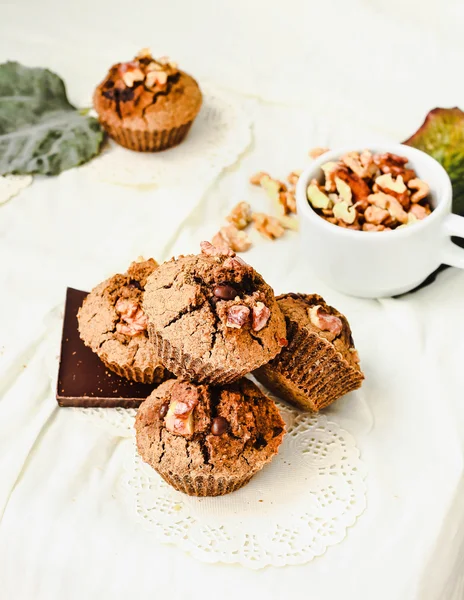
x,y
373,264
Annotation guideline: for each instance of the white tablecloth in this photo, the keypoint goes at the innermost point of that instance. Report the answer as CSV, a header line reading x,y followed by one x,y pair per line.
x,y
320,75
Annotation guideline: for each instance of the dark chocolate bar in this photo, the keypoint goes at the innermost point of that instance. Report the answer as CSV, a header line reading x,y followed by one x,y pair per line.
x,y
83,380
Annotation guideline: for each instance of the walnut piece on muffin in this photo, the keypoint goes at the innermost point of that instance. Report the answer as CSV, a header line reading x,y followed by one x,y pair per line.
x,y
212,317
205,440
320,363
147,104
112,323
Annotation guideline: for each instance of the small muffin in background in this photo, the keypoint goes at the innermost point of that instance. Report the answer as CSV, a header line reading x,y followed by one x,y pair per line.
x,y
112,323
212,317
147,104
320,363
208,441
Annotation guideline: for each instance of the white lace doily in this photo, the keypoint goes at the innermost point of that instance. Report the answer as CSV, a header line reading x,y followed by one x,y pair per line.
x,y
290,512
115,421
293,510
11,185
218,135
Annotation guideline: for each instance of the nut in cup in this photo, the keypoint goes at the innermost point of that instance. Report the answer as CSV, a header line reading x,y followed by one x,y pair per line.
x,y
374,264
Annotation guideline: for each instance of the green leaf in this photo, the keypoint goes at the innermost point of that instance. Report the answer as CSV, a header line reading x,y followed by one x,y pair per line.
x,y
40,130
442,136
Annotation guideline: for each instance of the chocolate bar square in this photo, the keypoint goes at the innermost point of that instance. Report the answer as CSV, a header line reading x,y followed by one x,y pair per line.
x,y
83,380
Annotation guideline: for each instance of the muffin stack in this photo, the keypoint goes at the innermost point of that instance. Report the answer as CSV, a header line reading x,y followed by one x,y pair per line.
x,y
209,320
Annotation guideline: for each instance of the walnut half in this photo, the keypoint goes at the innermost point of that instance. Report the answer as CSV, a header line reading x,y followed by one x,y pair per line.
x,y
133,319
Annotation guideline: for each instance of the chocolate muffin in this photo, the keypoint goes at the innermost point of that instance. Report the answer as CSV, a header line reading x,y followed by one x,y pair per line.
x,y
147,104
205,440
112,323
212,317
320,363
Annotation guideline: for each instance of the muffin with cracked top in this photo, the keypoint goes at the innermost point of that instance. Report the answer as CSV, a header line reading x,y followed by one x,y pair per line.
x,y
212,317
320,363
147,104
112,323
205,440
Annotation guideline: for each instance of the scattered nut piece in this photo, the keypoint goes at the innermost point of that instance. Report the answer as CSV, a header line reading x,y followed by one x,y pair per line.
x,y
233,238
287,201
132,76
325,322
372,227
154,66
411,220
293,177
134,320
289,222
237,316
234,262
144,53
358,185
316,152
317,197
256,178
268,226
179,417
345,212
144,68
240,216
329,169
367,161
344,190
353,161
386,182
396,211
375,215
422,188
419,211
156,77
379,199
260,316
394,164
211,250
276,190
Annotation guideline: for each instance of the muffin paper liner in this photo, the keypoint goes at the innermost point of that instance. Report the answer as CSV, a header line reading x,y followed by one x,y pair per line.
x,y
155,374
147,141
309,373
193,369
204,485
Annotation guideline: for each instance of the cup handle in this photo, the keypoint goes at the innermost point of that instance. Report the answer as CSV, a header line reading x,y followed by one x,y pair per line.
x,y
454,255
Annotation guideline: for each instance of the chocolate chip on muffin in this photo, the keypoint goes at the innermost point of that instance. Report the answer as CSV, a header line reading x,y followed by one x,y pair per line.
x,y
147,104
212,317
320,363
205,440
113,324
